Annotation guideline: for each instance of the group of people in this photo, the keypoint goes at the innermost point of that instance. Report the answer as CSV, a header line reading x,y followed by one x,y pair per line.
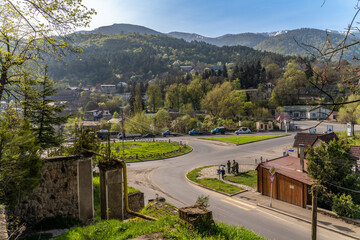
x,y
231,168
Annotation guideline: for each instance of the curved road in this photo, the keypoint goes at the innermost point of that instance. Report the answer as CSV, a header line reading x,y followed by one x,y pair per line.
x,y
167,178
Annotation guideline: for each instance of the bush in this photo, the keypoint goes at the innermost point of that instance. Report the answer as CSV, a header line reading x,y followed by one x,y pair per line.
x,y
343,205
203,201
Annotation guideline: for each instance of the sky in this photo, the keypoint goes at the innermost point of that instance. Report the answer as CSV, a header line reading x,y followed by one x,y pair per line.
x,y
215,18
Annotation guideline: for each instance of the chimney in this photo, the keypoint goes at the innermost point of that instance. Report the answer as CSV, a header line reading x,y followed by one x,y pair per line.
x,y
302,156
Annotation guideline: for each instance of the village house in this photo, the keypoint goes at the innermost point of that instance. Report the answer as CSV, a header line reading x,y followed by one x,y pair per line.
x,y
108,89
282,121
264,126
307,112
97,115
291,182
312,140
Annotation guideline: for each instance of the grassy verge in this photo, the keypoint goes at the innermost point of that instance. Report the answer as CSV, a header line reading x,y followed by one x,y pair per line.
x,y
146,150
212,183
96,184
248,178
168,226
244,139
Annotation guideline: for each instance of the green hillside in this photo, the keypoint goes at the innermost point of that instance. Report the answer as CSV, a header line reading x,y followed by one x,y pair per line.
x,y
287,43
118,57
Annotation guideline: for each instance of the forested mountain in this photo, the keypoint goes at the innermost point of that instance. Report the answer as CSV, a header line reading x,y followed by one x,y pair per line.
x,y
110,58
283,42
291,42
123,28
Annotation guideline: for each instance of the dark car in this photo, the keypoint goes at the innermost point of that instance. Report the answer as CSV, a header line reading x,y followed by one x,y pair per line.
x,y
149,135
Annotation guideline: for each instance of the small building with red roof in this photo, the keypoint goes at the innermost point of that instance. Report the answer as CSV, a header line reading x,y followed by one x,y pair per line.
x,y
290,183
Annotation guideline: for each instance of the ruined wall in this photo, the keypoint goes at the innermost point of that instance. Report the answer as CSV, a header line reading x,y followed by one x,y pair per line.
x,y
136,203
57,193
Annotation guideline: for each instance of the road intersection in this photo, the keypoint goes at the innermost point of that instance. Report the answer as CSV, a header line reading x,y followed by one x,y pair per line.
x,y
168,179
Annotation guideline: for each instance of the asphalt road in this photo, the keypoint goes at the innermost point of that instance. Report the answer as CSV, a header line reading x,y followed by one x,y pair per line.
x,y
167,178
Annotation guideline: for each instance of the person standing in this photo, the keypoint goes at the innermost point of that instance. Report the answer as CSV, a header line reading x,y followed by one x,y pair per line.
x,y
222,173
228,166
237,167
233,167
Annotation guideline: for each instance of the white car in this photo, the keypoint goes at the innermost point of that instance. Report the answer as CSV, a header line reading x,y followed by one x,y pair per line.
x,y
242,130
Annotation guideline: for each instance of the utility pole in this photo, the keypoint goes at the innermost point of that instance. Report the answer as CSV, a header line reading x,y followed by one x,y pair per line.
x,y
123,130
314,192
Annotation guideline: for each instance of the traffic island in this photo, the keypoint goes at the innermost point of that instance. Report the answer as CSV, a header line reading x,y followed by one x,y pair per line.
x,y
213,183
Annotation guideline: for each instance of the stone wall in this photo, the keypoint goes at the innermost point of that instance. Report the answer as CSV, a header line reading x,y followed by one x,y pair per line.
x,y
136,203
3,225
57,193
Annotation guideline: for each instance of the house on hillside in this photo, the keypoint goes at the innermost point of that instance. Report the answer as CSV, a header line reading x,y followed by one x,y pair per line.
x,y
108,89
306,112
355,156
97,115
290,183
312,140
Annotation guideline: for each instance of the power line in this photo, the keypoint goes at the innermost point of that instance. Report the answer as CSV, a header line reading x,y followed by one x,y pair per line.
x,y
351,190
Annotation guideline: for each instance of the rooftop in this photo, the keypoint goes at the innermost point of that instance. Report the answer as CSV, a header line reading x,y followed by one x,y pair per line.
x,y
308,139
289,166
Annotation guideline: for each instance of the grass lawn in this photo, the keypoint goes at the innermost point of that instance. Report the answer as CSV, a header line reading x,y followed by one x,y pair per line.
x,y
248,178
212,183
167,227
96,184
244,139
146,150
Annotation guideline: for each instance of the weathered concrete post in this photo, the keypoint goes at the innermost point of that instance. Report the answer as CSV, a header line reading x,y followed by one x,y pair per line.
x,y
85,190
111,191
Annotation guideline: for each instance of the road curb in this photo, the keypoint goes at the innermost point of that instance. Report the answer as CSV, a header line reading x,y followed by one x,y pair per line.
x,y
197,184
305,220
141,161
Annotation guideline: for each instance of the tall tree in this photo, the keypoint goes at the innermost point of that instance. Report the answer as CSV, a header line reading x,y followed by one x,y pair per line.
x,y
44,116
155,97
30,28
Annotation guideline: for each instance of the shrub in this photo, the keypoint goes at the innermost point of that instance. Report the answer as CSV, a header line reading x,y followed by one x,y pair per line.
x,y
343,205
203,201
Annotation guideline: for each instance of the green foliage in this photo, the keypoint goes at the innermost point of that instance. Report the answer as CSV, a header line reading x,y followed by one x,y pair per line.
x,y
350,112
180,124
139,123
108,56
146,150
44,115
244,139
162,120
203,201
86,140
170,227
155,97
30,29
343,205
56,223
331,166
20,163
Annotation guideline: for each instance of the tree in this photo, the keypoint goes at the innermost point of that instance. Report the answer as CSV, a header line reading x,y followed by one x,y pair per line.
x,y
331,166
31,28
155,97
114,104
213,101
20,163
287,90
350,112
44,117
138,124
162,120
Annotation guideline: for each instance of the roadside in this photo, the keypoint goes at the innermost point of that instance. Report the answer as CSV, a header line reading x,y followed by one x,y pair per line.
x,y
251,195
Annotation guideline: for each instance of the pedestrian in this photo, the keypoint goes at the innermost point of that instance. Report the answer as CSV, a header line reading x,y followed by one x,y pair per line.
x,y
233,167
222,173
237,167
228,166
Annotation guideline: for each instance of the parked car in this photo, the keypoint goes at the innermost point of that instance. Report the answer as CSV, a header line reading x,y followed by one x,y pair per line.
x,y
193,131
243,130
166,133
130,135
149,135
221,130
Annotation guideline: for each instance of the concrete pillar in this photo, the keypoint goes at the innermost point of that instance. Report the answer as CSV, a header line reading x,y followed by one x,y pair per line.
x,y
85,190
111,193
